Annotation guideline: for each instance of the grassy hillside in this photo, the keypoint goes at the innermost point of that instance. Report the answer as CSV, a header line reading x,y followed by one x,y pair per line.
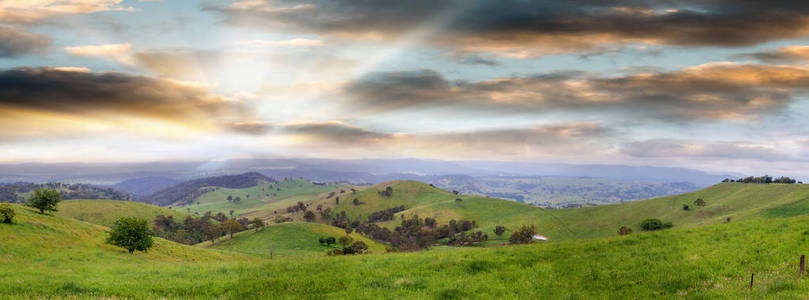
x,y
261,197
52,256
735,200
289,239
105,212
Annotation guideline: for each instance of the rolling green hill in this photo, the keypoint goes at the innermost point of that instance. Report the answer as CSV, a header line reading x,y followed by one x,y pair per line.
x,y
50,256
735,200
105,212
296,238
261,197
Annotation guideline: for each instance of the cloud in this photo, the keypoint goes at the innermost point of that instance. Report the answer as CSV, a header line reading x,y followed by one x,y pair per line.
x,y
334,132
669,148
14,42
26,11
121,53
281,43
249,127
716,91
109,97
564,139
780,55
532,28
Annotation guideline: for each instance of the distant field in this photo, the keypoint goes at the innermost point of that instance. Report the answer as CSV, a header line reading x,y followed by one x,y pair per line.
x,y
289,239
51,256
253,199
105,212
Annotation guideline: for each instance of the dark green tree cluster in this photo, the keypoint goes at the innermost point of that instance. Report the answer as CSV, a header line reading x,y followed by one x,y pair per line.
x,y
654,224
524,235
388,192
462,239
385,214
195,230
763,180
499,230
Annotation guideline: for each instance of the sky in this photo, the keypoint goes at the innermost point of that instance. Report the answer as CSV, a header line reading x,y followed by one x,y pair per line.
x,y
714,85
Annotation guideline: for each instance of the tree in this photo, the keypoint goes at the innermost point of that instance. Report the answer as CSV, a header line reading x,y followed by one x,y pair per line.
x,y
624,230
499,230
231,226
212,232
357,247
131,234
231,213
458,200
356,201
331,240
230,198
237,200
44,199
525,235
685,207
654,224
345,240
309,216
700,202
257,223
7,213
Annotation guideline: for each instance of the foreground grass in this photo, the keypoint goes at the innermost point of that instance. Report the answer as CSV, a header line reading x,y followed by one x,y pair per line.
x,y
57,257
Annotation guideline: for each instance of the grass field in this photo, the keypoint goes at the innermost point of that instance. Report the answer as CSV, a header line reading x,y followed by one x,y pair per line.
x,y
735,200
105,212
296,238
51,256
254,199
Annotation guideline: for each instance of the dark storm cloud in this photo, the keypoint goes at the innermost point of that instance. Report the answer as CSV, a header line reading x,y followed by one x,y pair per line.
x,y
14,42
706,92
530,28
80,92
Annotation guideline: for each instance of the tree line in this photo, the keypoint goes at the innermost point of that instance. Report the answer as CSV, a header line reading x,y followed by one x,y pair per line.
x,y
766,179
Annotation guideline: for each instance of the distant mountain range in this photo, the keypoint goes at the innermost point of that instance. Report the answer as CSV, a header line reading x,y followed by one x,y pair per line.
x,y
553,185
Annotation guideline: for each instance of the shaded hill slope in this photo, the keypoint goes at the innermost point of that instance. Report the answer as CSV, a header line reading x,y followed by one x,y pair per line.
x,y
185,192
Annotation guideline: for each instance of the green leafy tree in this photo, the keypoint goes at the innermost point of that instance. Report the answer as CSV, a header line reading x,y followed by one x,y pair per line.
x,y
309,216
257,223
700,202
44,200
525,235
7,213
230,226
131,234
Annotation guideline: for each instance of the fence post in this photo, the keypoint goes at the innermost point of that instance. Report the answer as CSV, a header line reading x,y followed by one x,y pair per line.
x,y
803,265
751,279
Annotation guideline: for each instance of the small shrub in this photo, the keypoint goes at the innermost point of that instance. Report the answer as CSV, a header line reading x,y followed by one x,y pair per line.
x,y
685,207
7,213
624,230
499,230
700,202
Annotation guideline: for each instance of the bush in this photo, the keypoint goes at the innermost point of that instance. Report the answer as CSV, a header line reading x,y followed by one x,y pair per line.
x,y
257,223
499,230
131,234
44,199
700,202
7,213
525,235
624,230
654,224
685,207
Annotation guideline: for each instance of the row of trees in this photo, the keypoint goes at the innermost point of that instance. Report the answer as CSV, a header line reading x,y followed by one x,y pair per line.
x,y
764,179
208,227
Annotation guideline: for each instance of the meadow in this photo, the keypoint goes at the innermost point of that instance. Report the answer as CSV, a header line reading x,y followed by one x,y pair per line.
x,y
52,256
